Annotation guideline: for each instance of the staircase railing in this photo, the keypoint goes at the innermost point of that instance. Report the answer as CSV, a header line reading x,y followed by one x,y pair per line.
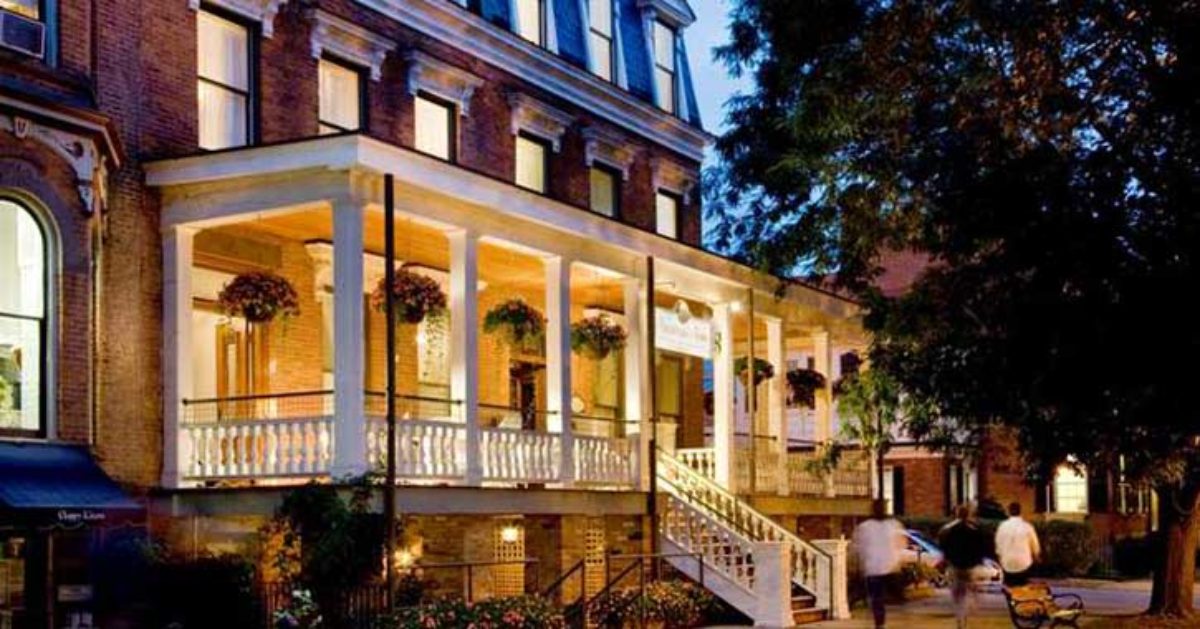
x,y
812,569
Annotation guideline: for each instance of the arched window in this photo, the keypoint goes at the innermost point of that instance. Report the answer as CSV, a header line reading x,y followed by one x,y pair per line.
x,y
23,309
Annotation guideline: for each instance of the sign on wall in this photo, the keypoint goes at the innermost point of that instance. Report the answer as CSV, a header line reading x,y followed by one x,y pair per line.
x,y
693,338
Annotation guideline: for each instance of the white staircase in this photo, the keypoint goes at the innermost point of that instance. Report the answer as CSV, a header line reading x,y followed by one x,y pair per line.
x,y
702,518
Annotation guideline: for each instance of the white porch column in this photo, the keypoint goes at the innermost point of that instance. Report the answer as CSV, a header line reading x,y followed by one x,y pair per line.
x,y
558,360
777,399
464,341
176,349
773,584
839,585
724,419
349,421
823,363
636,383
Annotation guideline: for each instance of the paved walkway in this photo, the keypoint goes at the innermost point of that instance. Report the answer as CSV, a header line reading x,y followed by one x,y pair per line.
x,y
1109,604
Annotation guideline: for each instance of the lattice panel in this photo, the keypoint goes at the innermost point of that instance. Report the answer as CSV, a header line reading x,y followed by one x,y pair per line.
x,y
508,579
593,555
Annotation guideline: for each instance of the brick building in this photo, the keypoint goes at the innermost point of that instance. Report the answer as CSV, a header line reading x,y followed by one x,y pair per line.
x,y
539,152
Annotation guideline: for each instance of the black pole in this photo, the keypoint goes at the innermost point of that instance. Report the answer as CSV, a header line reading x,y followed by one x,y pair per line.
x,y
389,278
752,396
652,463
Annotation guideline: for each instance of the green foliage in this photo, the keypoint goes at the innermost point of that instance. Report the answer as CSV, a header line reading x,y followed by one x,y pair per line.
x,y
183,591
1068,548
598,336
763,369
520,325
675,604
517,612
803,385
340,542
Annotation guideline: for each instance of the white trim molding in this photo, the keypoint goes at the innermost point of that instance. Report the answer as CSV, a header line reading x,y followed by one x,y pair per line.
x,y
677,13
450,24
331,34
608,147
670,176
533,116
80,151
428,74
262,11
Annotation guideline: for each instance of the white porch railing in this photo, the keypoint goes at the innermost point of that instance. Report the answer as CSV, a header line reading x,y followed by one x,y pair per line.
x,y
522,456
605,461
703,461
262,448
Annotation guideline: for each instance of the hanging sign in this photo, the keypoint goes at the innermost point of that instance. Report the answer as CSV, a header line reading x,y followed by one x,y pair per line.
x,y
693,337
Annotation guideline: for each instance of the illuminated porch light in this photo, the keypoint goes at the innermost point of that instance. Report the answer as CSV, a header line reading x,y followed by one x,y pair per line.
x,y
404,559
682,311
510,534
735,306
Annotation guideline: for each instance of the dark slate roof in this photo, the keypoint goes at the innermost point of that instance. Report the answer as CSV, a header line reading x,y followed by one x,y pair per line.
x,y
689,91
639,67
42,476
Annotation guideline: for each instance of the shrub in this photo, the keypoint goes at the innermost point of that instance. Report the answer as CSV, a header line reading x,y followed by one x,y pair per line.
x,y
674,604
1068,548
1134,556
183,590
515,612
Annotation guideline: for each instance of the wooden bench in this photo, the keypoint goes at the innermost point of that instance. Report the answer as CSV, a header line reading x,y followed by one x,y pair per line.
x,y
1031,606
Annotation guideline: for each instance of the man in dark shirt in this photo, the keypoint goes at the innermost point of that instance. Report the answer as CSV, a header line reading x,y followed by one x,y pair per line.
x,y
964,547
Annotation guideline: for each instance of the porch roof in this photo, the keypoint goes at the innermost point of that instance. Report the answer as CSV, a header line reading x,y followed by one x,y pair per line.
x,y
298,173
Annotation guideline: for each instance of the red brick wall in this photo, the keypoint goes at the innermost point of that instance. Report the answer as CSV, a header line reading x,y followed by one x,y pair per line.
x,y
924,485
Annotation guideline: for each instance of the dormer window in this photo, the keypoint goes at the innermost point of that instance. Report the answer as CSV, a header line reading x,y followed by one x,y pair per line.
x,y
600,37
664,65
531,20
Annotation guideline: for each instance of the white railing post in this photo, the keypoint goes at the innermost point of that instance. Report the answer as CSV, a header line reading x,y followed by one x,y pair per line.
x,y
464,343
777,399
724,422
177,244
349,421
773,584
558,360
838,584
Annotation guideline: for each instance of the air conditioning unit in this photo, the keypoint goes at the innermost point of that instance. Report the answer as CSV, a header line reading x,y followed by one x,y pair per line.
x,y
22,34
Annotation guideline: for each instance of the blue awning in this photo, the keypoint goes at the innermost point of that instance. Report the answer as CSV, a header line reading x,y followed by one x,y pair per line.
x,y
62,481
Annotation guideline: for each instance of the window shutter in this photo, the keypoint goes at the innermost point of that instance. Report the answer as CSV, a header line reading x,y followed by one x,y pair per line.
x,y
1041,498
898,490
1097,490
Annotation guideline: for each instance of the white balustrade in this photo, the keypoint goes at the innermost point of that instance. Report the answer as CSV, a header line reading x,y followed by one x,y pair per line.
x,y
697,530
703,461
605,461
258,449
511,455
425,449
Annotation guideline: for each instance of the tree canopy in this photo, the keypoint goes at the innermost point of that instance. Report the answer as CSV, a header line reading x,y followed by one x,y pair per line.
x,y
1043,155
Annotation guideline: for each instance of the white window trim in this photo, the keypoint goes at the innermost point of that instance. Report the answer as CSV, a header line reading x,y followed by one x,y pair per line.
x,y
676,13
342,39
261,11
669,176
608,147
427,74
539,119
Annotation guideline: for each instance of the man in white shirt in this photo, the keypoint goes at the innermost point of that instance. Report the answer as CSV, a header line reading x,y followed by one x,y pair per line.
x,y
1016,546
878,542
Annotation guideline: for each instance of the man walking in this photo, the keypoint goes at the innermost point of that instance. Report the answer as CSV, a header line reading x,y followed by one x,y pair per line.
x,y
878,541
1017,547
964,547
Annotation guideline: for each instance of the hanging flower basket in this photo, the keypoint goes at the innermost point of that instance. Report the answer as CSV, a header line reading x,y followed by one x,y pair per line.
x,y
598,336
259,297
803,384
519,324
417,297
763,370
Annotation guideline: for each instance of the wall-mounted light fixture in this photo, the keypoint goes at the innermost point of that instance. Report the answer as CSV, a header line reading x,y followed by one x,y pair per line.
x,y
510,534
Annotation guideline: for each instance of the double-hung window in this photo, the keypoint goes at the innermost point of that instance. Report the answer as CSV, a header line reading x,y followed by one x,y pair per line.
x,y
225,81
605,190
531,20
664,65
341,97
533,162
23,273
666,214
434,133
600,37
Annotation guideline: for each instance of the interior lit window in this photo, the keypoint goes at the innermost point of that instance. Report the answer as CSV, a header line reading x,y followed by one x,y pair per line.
x,y
664,65
532,156
434,132
29,8
666,214
530,18
223,85
1070,490
22,320
605,190
600,37
341,97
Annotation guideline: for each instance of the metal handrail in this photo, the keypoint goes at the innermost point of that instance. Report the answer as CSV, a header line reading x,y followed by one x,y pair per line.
x,y
295,394
517,409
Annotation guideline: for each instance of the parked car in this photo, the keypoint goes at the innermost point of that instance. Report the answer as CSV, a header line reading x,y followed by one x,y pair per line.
x,y
921,549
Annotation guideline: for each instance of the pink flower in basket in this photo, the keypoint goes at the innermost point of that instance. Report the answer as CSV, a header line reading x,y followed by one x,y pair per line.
x,y
259,297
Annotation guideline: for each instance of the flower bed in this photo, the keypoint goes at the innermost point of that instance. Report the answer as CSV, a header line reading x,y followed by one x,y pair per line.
x,y
516,612
667,604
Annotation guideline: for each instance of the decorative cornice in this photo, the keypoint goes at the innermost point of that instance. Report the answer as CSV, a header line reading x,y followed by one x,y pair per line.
x,y
425,73
262,11
672,177
609,147
454,26
331,34
677,13
80,151
533,116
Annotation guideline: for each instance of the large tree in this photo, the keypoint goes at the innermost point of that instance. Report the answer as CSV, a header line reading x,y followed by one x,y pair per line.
x,y
1043,157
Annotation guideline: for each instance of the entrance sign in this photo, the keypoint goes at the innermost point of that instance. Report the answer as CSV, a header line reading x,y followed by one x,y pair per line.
x,y
693,338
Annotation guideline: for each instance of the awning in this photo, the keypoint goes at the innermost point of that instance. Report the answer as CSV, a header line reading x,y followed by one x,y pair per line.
x,y
58,483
